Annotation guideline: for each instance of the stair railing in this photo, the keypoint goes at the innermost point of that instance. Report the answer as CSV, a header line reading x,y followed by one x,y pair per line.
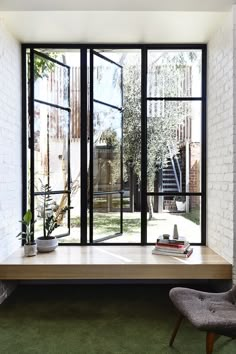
x,y
174,159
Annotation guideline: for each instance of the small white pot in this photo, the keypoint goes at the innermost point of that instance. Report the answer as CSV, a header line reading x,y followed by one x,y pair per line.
x,y
181,206
48,244
30,250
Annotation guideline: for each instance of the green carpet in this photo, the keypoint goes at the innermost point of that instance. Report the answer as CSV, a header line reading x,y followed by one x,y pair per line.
x,y
91,319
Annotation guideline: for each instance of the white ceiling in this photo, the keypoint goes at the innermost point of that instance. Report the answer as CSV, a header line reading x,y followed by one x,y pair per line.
x,y
112,27
116,5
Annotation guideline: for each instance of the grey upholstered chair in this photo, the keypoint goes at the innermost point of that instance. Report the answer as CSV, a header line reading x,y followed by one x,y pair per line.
x,y
214,313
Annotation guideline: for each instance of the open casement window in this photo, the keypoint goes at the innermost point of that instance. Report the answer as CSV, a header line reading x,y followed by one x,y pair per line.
x,y
106,143
49,140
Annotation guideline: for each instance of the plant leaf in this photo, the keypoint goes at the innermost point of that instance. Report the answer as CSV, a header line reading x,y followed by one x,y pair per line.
x,y
27,217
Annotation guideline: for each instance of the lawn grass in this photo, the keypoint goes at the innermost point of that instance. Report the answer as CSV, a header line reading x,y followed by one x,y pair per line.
x,y
105,223
193,215
108,223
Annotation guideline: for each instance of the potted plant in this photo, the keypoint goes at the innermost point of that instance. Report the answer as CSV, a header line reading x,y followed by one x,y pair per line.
x,y
51,214
180,202
30,247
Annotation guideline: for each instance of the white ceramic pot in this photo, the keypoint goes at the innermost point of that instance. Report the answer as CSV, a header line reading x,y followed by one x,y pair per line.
x,y
181,206
48,244
30,250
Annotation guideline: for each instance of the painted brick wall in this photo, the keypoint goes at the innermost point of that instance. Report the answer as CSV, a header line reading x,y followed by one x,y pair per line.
x,y
220,137
10,142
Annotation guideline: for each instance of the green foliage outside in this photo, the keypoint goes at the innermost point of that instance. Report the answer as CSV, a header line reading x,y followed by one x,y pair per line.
x,y
42,66
162,117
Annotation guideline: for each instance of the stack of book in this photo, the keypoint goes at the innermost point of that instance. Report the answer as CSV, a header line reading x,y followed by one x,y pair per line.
x,y
173,247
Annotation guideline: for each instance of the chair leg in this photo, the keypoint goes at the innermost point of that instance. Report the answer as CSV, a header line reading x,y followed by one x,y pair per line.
x,y
176,330
210,340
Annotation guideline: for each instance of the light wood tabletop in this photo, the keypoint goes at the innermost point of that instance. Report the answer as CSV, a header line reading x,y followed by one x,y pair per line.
x,y
114,262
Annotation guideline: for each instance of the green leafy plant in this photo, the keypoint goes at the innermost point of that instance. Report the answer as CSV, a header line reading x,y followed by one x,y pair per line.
x,y
42,66
51,213
28,234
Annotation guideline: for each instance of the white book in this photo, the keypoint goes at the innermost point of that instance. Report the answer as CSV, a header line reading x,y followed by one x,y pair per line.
x,y
173,254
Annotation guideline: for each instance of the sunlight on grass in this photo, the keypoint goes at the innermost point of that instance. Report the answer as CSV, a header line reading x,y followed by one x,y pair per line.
x,y
105,223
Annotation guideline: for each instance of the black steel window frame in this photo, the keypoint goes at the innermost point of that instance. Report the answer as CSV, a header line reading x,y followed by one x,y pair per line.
x,y
84,48
32,102
202,100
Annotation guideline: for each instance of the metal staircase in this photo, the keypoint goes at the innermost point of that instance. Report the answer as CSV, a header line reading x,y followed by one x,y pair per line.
x,y
171,173
169,181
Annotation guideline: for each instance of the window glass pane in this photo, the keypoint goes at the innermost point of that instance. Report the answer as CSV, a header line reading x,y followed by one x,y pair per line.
x,y
50,147
174,73
51,81
107,221
107,148
165,212
106,217
107,82
174,146
109,126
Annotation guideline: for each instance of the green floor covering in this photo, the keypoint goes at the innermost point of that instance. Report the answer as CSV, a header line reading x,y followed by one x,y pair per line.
x,y
89,319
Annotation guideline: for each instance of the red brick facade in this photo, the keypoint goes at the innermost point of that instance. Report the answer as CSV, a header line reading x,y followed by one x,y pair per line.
x,y
194,172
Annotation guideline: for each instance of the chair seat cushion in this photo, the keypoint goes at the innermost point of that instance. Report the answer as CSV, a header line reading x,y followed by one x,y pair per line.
x,y
215,312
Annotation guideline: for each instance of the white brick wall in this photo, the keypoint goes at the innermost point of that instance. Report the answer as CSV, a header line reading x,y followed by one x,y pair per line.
x,y
220,142
10,142
234,146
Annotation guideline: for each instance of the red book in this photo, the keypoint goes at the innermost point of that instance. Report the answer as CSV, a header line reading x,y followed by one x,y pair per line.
x,y
180,241
172,249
